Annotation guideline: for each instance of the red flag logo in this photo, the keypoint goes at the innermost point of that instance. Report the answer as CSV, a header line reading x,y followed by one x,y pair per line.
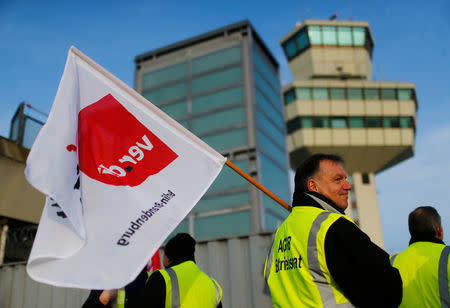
x,y
115,148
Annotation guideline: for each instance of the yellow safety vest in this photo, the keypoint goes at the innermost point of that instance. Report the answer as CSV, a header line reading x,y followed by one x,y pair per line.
x,y
296,270
188,287
424,269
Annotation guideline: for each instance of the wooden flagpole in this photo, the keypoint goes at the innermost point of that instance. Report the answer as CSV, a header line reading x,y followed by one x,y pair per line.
x,y
258,185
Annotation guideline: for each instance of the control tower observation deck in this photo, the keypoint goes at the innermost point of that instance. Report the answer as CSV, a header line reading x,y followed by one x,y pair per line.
x,y
334,106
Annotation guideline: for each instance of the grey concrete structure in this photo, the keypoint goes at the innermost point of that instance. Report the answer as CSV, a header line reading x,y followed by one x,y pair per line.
x,y
334,106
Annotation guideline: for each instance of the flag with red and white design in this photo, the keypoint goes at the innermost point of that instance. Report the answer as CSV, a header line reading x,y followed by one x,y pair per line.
x,y
119,176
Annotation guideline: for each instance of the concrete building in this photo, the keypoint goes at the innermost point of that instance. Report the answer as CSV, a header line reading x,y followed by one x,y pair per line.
x,y
334,106
224,86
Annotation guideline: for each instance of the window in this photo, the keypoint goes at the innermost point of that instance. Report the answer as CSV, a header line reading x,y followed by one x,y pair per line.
x,y
404,94
405,122
222,202
217,79
391,122
166,74
365,178
344,36
290,49
371,94
227,178
320,93
306,122
274,151
268,108
217,99
175,110
216,60
373,122
302,40
293,125
218,120
289,97
337,93
164,94
388,94
359,36
227,140
220,225
329,35
322,122
314,33
356,122
303,93
338,122
355,93
266,69
269,128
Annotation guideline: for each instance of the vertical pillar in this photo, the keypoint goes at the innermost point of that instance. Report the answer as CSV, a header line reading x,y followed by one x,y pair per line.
x,y
3,235
367,206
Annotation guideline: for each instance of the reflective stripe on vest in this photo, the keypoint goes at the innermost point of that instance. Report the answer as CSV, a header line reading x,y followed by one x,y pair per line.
x,y
443,277
325,290
175,288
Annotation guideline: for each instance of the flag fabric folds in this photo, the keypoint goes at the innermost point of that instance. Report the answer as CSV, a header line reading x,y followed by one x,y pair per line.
x,y
119,176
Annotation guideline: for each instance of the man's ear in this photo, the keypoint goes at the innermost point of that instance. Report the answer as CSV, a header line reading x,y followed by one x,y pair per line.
x,y
312,185
440,233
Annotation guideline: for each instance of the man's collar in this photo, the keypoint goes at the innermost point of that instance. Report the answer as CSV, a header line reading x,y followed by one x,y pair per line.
x,y
431,239
312,198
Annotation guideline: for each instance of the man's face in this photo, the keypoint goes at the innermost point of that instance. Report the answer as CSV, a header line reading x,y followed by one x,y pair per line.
x,y
331,181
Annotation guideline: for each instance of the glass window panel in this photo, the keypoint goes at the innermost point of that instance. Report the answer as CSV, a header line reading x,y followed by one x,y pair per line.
x,y
217,120
269,128
359,36
320,93
271,149
268,108
293,125
344,36
405,122
217,79
302,40
373,121
290,48
183,227
303,93
289,97
227,140
216,60
217,99
166,74
355,93
168,93
338,123
267,71
30,132
371,93
329,35
175,110
271,221
356,122
222,202
315,35
184,123
265,87
228,178
337,93
391,122
322,122
388,94
404,94
306,122
222,225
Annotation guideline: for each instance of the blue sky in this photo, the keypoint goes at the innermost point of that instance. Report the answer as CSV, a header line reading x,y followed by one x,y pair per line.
x,y
412,39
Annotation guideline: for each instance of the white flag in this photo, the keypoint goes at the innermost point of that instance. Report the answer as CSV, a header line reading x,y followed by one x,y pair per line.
x,y
119,176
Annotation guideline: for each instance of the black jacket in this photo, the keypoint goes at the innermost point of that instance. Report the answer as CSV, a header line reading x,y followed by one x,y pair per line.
x,y
360,268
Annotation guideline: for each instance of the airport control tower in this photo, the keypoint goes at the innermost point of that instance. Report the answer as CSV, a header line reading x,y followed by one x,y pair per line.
x,y
334,106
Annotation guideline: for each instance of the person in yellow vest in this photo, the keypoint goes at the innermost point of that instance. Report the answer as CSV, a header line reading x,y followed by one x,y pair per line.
x,y
181,284
424,265
319,257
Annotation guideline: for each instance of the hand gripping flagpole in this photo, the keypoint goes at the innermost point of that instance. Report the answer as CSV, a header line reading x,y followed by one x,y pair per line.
x,y
258,185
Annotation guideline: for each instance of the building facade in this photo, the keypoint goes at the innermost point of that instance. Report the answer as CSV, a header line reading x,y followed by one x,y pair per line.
x,y
334,106
224,87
